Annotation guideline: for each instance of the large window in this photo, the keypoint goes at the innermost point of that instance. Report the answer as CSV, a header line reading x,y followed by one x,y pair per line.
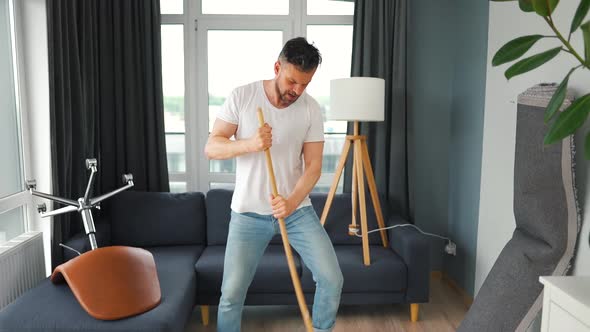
x,y
13,199
173,74
249,7
209,47
334,65
220,62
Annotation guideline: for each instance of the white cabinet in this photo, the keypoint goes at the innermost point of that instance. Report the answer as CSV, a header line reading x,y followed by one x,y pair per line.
x,y
566,304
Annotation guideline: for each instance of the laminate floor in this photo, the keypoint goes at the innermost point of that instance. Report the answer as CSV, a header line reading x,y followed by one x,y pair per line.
x,y
443,313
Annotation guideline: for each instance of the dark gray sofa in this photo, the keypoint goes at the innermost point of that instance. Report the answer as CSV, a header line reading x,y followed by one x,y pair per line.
x,y
186,233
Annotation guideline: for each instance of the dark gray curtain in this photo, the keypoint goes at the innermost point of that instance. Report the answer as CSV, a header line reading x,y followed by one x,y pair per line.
x,y
105,100
379,50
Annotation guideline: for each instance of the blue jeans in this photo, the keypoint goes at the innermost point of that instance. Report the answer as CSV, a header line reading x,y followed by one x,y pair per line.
x,y
249,235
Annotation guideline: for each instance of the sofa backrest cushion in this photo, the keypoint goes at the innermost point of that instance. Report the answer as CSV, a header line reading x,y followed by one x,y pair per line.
x,y
145,219
218,215
339,217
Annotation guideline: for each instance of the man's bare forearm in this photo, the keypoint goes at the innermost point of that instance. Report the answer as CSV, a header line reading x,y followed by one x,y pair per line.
x,y
219,147
305,184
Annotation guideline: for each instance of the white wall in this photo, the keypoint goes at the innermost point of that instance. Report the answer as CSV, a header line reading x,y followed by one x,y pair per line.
x,y
31,20
496,218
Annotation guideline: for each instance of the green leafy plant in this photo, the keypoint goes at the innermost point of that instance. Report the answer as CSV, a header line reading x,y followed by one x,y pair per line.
x,y
562,124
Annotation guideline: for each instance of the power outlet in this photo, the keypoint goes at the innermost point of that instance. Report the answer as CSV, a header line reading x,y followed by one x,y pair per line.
x,y
451,248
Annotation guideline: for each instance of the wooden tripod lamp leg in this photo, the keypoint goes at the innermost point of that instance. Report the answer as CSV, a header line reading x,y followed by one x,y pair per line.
x,y
354,192
332,192
355,179
286,245
374,193
358,159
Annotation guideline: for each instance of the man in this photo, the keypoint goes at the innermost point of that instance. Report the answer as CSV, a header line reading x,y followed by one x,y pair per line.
x,y
296,132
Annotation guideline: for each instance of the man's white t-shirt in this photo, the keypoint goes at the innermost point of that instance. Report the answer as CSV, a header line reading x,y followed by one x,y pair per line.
x,y
292,126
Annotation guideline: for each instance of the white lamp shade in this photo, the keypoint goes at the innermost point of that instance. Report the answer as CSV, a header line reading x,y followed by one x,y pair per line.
x,y
357,99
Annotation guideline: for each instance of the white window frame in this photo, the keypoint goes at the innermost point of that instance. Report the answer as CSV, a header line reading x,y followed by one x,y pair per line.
x,y
183,19
197,176
22,198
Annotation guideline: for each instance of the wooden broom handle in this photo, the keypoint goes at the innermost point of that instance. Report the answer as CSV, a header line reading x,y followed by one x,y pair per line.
x,y
286,245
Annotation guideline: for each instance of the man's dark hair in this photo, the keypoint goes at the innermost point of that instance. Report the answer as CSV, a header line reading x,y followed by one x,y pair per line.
x,y
301,54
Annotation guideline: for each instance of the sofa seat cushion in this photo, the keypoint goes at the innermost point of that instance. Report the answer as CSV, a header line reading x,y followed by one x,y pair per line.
x,y
387,272
50,307
272,274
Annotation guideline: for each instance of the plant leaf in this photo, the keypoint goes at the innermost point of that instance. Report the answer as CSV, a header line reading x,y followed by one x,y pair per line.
x,y
526,5
587,146
514,49
557,98
530,63
569,120
544,7
580,14
586,32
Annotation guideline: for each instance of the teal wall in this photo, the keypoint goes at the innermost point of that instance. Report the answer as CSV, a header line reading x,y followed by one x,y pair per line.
x,y
429,97
447,51
466,140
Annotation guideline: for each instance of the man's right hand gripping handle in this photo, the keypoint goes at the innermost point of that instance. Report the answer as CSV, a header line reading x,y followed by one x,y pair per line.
x,y
262,140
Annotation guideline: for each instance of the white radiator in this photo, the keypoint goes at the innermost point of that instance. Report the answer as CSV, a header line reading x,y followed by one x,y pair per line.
x,y
22,266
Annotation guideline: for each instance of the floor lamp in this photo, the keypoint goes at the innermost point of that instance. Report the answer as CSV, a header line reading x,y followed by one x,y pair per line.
x,y
357,99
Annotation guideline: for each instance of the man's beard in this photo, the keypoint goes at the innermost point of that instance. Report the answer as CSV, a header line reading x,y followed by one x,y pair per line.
x,y
287,97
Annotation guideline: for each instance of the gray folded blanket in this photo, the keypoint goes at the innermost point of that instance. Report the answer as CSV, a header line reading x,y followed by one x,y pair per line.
x,y
547,223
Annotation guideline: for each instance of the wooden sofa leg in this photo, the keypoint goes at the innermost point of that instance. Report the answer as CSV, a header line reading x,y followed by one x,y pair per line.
x,y
205,314
414,309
